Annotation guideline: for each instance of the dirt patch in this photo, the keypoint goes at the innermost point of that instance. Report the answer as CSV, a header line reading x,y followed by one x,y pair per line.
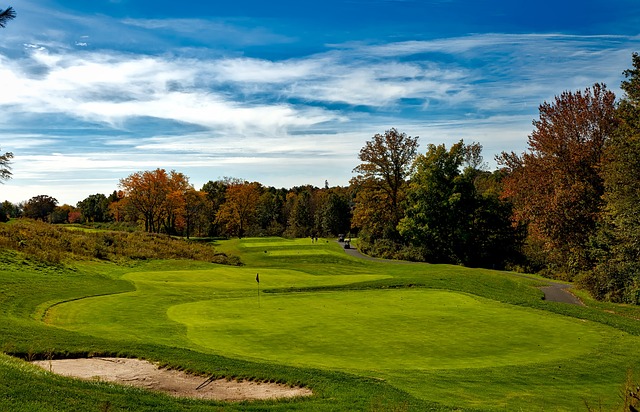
x,y
147,375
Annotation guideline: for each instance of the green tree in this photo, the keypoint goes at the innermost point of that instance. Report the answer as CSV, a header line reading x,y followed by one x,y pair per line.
x,y
336,213
301,220
63,214
270,212
617,274
556,187
40,207
453,213
439,204
8,210
215,196
95,208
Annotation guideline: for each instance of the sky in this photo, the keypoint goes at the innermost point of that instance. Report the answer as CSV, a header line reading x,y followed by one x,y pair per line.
x,y
282,92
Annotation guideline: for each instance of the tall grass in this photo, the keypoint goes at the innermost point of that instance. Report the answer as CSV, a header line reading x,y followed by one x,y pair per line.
x,y
54,245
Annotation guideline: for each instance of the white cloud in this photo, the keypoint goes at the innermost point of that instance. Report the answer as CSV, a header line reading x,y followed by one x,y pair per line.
x,y
283,122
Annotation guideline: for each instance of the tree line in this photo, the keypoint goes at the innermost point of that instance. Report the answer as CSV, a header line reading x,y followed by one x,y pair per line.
x,y
157,201
568,207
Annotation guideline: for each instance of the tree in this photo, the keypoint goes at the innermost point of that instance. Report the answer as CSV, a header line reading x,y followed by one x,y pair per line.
x,y
5,168
238,212
6,15
63,214
145,192
173,205
8,210
301,219
452,215
617,275
95,208
336,213
215,195
40,207
195,203
270,212
387,161
157,196
556,187
439,204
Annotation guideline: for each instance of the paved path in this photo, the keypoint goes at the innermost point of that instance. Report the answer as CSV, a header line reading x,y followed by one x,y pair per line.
x,y
554,292
557,292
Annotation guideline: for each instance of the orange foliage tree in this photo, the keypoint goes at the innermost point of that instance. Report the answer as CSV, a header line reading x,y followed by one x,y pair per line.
x,y
238,212
556,186
157,197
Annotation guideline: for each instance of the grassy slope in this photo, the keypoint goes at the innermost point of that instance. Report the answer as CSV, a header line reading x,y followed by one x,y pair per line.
x,y
561,376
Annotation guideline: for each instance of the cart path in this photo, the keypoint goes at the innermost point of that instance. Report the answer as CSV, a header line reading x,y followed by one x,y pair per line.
x,y
557,292
553,292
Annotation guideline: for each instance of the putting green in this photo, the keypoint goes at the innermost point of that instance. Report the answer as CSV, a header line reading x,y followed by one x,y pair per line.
x,y
378,330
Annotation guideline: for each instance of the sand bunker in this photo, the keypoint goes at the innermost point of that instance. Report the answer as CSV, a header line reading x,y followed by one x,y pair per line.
x,y
145,374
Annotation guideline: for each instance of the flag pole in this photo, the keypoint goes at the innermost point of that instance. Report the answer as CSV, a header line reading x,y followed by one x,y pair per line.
x,y
258,282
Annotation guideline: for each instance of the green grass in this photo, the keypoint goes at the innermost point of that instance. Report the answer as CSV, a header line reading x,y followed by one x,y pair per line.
x,y
363,335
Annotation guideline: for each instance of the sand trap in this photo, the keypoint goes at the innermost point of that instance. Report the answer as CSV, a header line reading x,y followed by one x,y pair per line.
x,y
145,374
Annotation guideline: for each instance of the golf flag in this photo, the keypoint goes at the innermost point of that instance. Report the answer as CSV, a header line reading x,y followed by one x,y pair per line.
x,y
258,277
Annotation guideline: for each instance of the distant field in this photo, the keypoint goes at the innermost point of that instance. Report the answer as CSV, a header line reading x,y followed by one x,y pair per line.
x,y
441,336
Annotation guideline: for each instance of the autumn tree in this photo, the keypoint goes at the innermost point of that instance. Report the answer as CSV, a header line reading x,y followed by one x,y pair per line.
x,y
40,207
145,192
65,214
238,211
194,206
173,207
556,186
387,161
157,196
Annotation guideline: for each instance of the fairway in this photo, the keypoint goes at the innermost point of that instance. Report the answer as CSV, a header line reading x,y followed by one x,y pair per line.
x,y
439,333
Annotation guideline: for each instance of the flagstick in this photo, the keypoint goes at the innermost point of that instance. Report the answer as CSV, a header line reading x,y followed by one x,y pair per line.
x,y
258,281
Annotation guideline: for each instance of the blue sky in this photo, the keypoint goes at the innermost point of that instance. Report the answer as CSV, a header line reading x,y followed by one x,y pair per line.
x,y
282,92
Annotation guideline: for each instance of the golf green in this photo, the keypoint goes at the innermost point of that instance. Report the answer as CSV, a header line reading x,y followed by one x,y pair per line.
x,y
379,330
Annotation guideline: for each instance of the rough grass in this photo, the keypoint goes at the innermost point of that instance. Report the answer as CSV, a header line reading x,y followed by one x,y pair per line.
x,y
53,245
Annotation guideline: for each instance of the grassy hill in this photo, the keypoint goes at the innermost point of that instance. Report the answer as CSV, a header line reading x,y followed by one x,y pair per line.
x,y
364,335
